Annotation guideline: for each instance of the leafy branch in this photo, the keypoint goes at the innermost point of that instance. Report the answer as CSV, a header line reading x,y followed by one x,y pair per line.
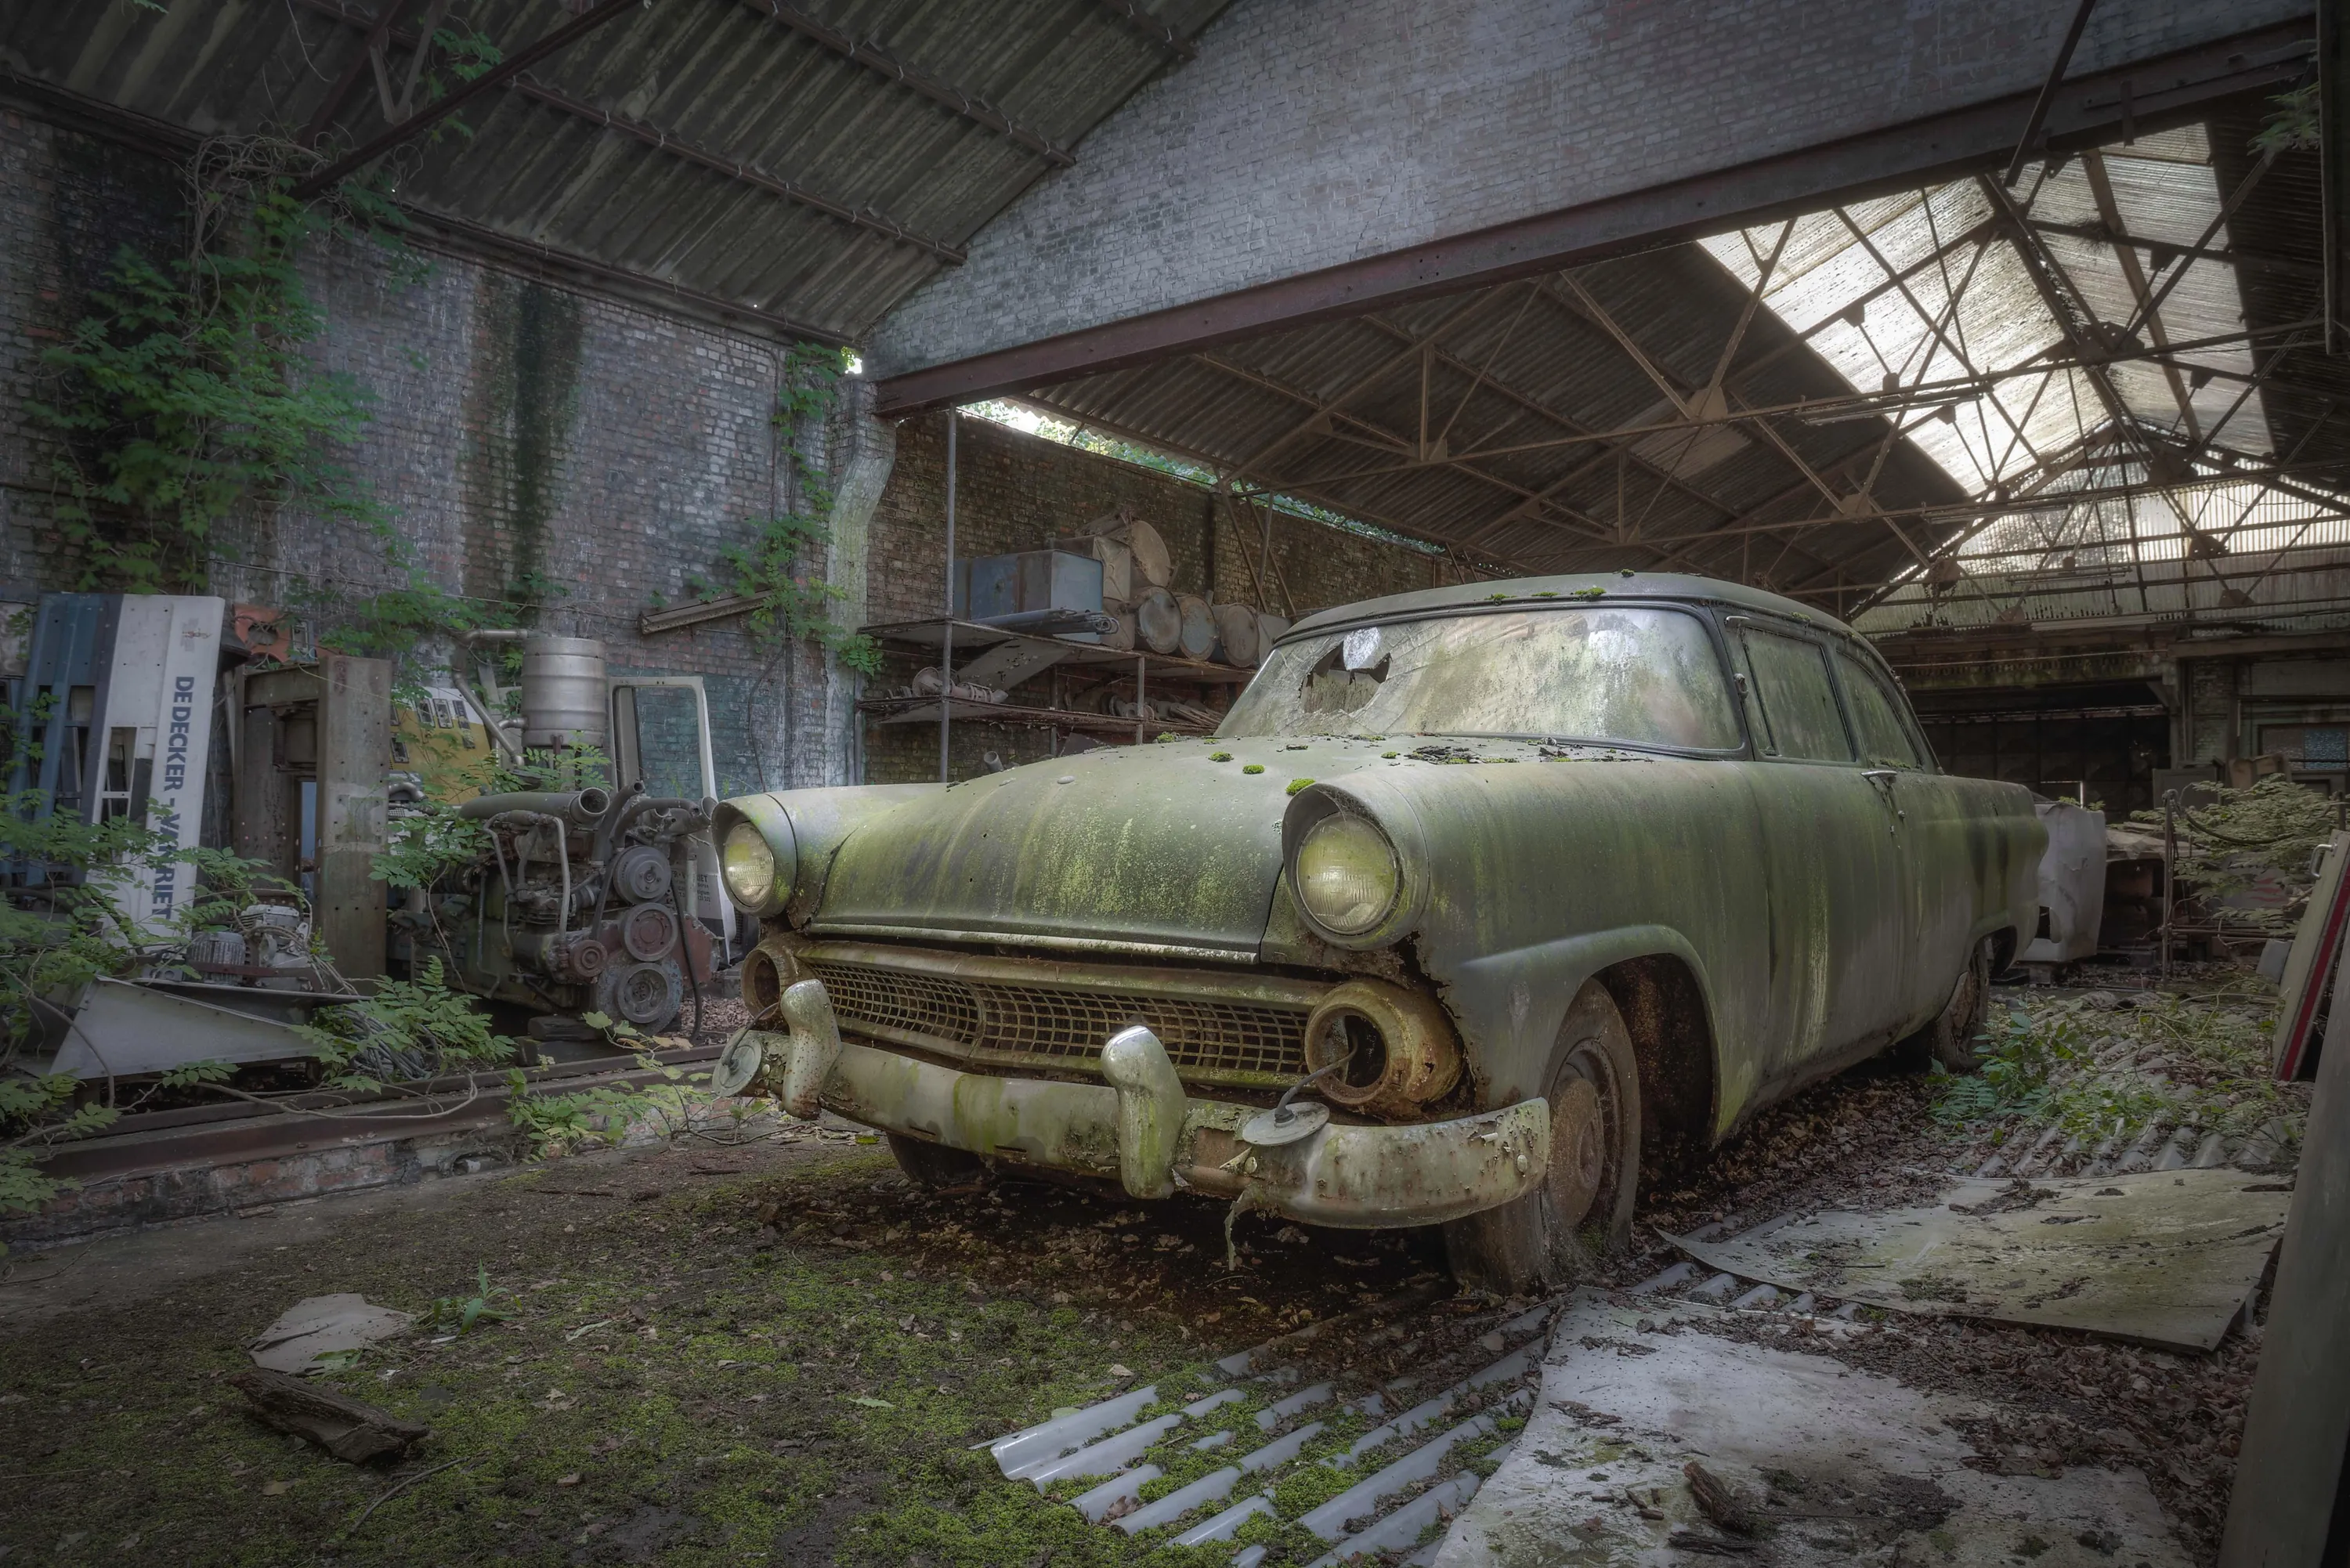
x,y
772,567
185,398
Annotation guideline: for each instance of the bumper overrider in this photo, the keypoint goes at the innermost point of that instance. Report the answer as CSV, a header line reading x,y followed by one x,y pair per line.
x,y
1142,1130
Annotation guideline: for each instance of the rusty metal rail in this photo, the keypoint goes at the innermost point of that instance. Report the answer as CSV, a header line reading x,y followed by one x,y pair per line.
x,y
298,1124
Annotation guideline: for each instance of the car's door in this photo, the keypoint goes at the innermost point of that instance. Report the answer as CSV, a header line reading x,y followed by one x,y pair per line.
x,y
1930,823
1839,913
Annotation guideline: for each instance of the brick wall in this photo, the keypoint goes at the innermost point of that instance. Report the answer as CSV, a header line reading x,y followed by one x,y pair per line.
x,y
1017,491
531,443
1309,133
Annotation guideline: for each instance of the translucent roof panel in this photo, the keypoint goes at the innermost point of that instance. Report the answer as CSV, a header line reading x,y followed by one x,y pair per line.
x,y
2106,470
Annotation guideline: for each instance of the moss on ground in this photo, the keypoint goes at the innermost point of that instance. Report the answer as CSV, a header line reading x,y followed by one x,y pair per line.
x,y
680,1383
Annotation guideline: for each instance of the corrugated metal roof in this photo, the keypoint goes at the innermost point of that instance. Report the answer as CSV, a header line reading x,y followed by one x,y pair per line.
x,y
1955,370
1528,392
825,97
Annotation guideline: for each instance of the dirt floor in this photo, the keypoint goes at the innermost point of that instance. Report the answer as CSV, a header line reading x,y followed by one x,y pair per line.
x,y
781,1351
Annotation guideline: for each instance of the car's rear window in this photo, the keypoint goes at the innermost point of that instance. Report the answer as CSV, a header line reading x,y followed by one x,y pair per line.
x,y
1639,676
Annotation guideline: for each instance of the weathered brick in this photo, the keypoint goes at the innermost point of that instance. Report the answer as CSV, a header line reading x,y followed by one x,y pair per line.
x,y
1310,133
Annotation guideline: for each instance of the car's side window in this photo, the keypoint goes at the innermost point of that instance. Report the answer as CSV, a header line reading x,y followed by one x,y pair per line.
x,y
1885,740
1800,716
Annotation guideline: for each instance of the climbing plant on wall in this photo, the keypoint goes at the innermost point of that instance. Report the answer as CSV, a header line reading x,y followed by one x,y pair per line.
x,y
186,400
773,566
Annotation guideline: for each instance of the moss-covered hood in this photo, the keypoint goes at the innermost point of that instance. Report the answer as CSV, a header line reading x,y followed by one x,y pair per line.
x,y
1140,848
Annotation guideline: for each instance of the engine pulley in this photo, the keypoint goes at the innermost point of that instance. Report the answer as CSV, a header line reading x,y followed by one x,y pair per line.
x,y
640,875
648,932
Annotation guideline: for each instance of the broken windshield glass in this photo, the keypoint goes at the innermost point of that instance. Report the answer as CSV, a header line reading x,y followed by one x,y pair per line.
x,y
1637,676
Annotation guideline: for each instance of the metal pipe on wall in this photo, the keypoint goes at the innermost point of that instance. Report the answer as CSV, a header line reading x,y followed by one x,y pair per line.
x,y
946,638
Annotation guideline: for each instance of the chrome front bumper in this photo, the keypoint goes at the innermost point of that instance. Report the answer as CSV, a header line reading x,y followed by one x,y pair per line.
x,y
1142,1129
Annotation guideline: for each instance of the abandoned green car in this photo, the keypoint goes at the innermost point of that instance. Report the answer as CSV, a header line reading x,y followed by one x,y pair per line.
x,y
1525,883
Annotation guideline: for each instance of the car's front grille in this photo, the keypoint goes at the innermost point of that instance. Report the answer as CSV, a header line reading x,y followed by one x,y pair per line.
x,y
1012,1013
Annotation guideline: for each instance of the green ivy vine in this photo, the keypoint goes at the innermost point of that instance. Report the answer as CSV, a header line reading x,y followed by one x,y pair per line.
x,y
185,399
770,567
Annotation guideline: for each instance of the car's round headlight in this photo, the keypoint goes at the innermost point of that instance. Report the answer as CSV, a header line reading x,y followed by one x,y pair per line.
x,y
1347,874
748,862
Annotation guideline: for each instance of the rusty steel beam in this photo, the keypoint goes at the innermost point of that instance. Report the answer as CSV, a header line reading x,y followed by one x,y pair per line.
x,y
424,119
322,119
2234,255
1934,147
2047,98
2055,501
2101,190
1144,25
882,63
1865,405
2202,241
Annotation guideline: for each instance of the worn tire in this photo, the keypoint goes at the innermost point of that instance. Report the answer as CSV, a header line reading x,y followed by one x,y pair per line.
x,y
1949,1040
1584,1207
935,1166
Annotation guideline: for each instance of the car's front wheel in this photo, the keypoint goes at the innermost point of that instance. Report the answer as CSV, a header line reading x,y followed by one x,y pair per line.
x,y
1583,1205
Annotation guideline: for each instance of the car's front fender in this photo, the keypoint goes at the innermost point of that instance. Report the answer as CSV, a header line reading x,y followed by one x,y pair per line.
x,y
1508,1005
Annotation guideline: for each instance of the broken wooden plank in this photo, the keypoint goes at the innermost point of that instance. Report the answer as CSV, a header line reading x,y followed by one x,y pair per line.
x,y
351,1429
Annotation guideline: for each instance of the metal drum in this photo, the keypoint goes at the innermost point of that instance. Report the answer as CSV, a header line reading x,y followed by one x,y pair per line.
x,y
1159,621
1121,636
563,692
1236,630
1152,561
1197,640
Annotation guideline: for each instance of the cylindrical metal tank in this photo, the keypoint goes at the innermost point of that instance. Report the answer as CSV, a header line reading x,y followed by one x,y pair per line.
x,y
563,692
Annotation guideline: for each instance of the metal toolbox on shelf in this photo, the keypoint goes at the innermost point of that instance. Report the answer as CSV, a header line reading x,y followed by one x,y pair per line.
x,y
989,587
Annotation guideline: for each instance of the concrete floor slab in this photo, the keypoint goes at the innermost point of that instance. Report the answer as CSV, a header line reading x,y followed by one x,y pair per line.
x,y
1836,1464
2163,1258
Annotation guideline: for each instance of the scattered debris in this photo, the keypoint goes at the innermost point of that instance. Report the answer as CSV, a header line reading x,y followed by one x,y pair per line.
x,y
2163,1258
351,1429
1716,1500
323,1326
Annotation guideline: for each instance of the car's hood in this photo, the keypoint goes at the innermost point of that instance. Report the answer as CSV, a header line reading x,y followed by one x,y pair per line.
x,y
1151,848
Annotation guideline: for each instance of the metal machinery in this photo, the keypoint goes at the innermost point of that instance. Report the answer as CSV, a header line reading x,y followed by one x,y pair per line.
x,y
311,792
589,900
114,717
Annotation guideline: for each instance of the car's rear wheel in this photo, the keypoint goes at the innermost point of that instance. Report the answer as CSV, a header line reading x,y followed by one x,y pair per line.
x,y
1952,1038
935,1166
1583,1206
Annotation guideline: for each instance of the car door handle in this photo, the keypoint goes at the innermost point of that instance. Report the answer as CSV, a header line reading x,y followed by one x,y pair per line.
x,y
1874,776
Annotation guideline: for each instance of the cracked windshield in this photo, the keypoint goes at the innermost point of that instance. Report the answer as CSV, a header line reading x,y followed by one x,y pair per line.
x,y
1638,677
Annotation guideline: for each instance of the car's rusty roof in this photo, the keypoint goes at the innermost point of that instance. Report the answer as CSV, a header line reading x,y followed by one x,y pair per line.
x,y
1615,585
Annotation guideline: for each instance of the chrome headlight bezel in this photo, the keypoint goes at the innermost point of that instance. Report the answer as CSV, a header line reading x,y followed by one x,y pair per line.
x,y
1360,869
765,822
1309,811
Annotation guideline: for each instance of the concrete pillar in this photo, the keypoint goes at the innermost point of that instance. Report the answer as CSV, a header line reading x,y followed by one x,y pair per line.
x,y
855,451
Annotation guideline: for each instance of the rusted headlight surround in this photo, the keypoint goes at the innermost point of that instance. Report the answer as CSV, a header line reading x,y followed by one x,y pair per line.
x,y
748,862
1346,873
758,855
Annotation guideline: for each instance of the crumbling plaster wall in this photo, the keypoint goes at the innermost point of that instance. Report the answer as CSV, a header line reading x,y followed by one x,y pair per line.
x,y
1311,134
530,443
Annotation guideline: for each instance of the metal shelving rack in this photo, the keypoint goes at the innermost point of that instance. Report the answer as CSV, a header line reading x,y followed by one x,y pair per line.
x,y
991,656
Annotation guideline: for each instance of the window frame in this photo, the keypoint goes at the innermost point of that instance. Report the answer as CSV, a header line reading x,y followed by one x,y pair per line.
x,y
1858,650
1738,623
1700,610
